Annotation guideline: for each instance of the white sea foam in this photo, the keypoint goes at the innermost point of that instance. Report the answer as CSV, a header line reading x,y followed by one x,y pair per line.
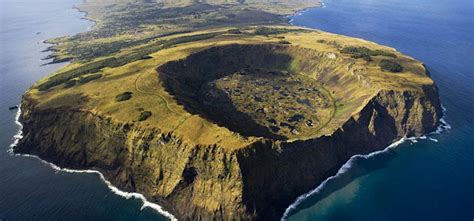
x,y
412,139
115,190
341,171
17,137
442,127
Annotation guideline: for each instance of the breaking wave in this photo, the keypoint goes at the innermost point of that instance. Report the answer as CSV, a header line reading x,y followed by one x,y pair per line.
x,y
115,190
349,164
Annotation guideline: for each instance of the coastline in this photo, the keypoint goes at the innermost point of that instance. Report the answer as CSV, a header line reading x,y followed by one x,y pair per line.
x,y
349,164
52,48
320,4
346,166
19,135
85,16
112,188
128,195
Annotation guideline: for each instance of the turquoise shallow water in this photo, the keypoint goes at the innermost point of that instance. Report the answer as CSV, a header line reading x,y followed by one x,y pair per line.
x,y
432,179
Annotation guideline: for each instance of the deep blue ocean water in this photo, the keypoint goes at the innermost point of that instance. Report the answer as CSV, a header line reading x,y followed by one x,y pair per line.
x,y
426,180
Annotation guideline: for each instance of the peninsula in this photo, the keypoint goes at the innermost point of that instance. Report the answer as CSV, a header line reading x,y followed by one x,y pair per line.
x,y
217,110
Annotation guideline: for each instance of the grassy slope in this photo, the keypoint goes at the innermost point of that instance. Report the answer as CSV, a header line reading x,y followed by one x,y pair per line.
x,y
139,77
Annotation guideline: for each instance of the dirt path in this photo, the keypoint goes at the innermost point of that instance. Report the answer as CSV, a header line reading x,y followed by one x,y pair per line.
x,y
334,109
137,88
153,93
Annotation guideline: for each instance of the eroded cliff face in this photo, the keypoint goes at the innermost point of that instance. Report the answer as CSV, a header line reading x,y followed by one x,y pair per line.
x,y
196,182
279,172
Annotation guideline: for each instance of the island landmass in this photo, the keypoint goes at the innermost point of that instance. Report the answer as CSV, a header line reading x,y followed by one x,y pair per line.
x,y
219,110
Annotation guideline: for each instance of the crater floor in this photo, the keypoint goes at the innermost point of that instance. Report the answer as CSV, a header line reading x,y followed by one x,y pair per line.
x,y
283,103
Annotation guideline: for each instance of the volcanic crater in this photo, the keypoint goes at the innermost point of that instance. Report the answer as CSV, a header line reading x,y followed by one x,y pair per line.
x,y
255,90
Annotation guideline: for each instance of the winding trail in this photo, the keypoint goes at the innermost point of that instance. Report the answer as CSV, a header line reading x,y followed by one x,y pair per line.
x,y
153,93
137,88
334,109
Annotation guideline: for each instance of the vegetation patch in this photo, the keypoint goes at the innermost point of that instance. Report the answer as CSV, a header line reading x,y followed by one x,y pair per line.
x,y
144,115
88,78
274,31
76,72
234,31
390,65
365,53
146,57
285,42
123,96
70,83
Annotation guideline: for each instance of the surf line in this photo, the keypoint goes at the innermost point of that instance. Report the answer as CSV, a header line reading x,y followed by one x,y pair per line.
x,y
345,167
114,189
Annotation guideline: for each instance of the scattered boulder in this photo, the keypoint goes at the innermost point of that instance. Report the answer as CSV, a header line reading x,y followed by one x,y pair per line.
x,y
294,131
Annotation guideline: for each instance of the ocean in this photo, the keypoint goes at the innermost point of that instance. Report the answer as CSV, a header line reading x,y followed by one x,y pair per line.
x,y
423,179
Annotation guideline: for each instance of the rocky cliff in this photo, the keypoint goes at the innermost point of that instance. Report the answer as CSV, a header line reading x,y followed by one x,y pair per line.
x,y
211,182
